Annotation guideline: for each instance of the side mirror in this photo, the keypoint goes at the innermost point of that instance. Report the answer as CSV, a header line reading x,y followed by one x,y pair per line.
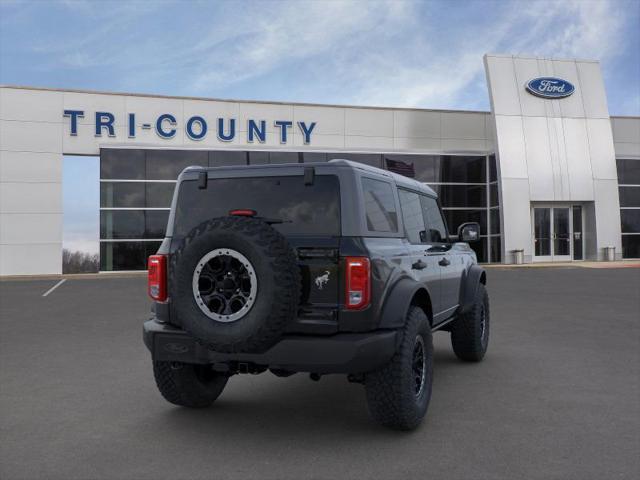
x,y
469,232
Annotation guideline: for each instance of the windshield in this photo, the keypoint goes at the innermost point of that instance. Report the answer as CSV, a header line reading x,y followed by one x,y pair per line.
x,y
303,209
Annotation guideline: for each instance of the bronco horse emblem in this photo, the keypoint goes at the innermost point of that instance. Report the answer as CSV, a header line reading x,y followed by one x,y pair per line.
x,y
322,280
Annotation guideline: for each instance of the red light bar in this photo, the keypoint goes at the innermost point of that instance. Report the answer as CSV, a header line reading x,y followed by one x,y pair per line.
x,y
243,212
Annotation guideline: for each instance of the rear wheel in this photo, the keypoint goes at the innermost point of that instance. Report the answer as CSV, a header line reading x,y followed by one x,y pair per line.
x,y
470,332
188,385
398,395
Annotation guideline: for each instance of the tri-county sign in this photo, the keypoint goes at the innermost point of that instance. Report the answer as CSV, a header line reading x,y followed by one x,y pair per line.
x,y
196,127
550,87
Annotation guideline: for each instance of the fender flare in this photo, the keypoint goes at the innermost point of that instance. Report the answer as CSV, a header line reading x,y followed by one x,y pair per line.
x,y
475,276
395,309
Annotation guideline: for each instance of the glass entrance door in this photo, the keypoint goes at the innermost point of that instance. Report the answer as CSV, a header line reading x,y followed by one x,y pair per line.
x,y
561,234
557,233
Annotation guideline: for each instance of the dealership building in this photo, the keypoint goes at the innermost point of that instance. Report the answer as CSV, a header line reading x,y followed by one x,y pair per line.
x,y
548,173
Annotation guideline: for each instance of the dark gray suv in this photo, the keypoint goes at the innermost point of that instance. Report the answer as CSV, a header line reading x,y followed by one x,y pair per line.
x,y
323,268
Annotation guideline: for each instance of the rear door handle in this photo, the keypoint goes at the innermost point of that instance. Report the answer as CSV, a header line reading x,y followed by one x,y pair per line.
x,y
444,262
419,265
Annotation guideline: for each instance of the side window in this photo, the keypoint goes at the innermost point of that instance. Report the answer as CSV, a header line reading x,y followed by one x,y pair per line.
x,y
412,216
380,206
436,231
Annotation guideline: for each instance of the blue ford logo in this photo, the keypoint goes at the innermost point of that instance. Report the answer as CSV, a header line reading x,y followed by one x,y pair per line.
x,y
550,87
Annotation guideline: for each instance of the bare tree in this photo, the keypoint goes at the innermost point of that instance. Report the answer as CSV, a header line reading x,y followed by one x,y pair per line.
x,y
79,262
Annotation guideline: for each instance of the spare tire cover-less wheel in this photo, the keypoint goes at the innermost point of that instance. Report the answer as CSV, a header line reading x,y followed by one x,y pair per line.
x,y
235,284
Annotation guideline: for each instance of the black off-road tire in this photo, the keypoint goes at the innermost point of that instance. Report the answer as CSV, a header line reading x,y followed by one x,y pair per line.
x,y
470,332
278,280
391,391
188,385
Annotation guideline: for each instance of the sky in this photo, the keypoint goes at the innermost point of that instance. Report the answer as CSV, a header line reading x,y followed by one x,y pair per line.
x,y
380,53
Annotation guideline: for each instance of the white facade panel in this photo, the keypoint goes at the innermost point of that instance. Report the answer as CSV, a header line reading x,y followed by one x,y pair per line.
x,y
26,228
26,105
461,145
538,159
511,147
530,105
516,218
268,113
601,149
30,197
572,106
503,85
30,167
320,142
417,124
626,130
19,136
368,122
427,145
358,142
607,209
578,159
469,126
31,259
592,84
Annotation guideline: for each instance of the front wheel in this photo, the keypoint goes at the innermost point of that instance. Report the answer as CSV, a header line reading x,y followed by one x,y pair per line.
x,y
398,394
188,385
470,331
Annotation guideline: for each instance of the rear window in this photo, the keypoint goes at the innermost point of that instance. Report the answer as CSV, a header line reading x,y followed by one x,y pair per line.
x,y
380,206
304,209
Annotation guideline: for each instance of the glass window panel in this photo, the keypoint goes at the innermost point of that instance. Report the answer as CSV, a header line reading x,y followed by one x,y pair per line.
x,y
373,159
221,158
455,218
480,247
380,207
155,223
629,196
305,209
494,199
542,231
159,195
151,248
121,224
308,157
122,164
628,171
631,246
167,164
258,158
421,167
284,157
462,169
471,196
495,220
123,256
496,252
412,215
436,230
493,169
122,195
630,221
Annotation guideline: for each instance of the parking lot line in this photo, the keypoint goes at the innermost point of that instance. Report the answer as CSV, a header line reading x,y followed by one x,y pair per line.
x,y
54,287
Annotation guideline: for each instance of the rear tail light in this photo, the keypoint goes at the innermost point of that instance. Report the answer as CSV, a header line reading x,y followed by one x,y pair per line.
x,y
357,282
157,277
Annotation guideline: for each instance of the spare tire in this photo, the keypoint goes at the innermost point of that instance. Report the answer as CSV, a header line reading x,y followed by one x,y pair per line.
x,y
235,284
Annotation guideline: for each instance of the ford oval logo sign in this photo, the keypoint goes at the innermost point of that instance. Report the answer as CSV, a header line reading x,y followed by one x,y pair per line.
x,y
550,87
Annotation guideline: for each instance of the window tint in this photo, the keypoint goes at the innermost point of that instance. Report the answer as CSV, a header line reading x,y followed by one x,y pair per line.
x,y
221,158
631,246
380,206
629,196
122,164
436,231
126,255
308,157
412,215
628,171
159,195
496,253
421,167
155,223
167,164
473,196
304,209
122,194
630,221
121,224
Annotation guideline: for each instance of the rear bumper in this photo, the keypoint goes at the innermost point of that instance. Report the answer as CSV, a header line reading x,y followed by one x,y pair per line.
x,y
340,353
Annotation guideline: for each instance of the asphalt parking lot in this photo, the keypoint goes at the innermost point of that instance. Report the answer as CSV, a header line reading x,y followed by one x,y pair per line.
x,y
558,395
